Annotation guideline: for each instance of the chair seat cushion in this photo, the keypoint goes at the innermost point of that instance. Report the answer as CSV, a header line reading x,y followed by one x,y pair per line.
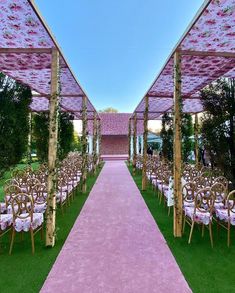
x,y
200,217
61,197
222,214
3,207
188,204
26,224
40,208
5,221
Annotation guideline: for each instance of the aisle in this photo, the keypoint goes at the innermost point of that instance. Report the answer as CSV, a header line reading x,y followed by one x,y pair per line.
x,y
115,245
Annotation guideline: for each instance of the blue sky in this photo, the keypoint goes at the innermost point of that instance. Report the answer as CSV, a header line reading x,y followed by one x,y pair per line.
x,y
117,47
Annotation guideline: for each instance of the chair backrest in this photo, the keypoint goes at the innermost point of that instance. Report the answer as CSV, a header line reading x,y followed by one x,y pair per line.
x,y
222,180
22,206
220,191
189,191
10,191
39,193
204,200
230,203
11,181
31,182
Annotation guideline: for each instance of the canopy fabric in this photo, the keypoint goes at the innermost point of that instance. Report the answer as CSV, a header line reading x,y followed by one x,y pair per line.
x,y
207,53
116,124
25,55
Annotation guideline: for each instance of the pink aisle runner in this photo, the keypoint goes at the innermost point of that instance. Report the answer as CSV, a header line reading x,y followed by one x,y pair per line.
x,y
115,245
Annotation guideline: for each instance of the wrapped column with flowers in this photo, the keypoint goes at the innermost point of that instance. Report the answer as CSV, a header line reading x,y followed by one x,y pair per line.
x,y
94,142
177,147
52,150
144,169
196,140
129,142
84,144
134,144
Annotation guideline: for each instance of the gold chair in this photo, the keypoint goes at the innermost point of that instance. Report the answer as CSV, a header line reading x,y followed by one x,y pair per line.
x,y
24,219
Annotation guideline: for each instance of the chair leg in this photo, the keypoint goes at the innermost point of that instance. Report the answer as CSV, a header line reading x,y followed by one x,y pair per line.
x,y
12,240
184,222
203,229
191,232
169,211
42,233
32,240
211,236
228,241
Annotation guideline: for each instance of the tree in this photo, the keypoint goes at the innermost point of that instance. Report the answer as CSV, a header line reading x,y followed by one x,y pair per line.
x,y
109,110
167,136
15,99
218,129
41,135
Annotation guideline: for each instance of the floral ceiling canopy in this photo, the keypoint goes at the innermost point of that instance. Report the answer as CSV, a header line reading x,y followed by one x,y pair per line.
x,y
207,53
25,55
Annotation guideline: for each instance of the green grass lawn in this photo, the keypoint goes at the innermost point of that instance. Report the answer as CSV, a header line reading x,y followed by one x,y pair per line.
x,y
24,272
206,270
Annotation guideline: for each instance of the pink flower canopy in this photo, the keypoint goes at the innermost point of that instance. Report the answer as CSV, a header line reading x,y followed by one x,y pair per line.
x,y
207,53
25,55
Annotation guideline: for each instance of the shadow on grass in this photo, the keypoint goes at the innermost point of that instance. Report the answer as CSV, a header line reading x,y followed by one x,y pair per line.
x,y
23,272
206,270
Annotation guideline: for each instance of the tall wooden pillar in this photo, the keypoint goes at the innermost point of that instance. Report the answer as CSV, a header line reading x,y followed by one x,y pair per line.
x,y
30,139
99,139
52,150
94,142
134,144
177,146
144,169
129,142
84,143
196,141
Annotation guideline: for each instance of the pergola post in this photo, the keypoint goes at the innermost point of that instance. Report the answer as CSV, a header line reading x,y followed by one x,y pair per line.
x,y
129,142
99,139
134,144
30,139
144,169
84,143
196,141
52,150
94,142
177,147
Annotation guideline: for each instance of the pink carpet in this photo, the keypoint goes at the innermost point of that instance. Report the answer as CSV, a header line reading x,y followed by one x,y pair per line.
x,y
115,245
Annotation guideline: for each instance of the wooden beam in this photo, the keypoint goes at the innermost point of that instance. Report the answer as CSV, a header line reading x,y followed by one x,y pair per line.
x,y
62,96
84,144
207,54
177,147
196,141
171,97
145,156
26,50
52,151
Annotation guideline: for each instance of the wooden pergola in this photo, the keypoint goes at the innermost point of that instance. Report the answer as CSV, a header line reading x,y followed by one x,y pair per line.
x,y
205,52
30,54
